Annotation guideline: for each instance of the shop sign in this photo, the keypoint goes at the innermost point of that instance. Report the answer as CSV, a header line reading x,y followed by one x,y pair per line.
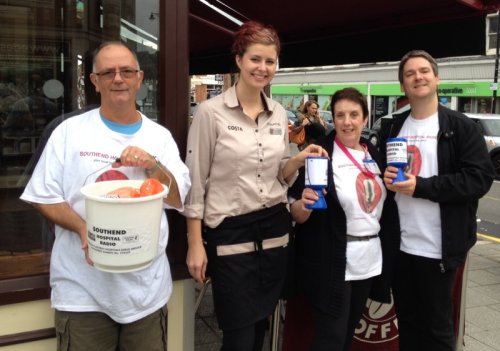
x,y
308,90
326,89
16,49
450,91
378,328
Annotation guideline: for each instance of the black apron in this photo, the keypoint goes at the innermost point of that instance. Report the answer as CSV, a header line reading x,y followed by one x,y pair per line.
x,y
246,286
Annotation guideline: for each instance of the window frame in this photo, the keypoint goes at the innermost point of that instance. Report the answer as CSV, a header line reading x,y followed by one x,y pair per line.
x,y
489,34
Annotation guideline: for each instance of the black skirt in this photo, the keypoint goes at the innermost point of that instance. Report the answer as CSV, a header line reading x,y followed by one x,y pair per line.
x,y
246,286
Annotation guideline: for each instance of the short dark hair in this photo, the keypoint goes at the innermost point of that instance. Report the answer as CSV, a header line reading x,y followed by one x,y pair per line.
x,y
416,53
351,94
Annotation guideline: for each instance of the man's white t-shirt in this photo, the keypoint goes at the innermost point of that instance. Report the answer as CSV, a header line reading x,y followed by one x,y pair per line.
x,y
76,148
420,218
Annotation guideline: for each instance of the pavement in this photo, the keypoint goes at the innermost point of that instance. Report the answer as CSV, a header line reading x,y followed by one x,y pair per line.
x,y
208,336
482,309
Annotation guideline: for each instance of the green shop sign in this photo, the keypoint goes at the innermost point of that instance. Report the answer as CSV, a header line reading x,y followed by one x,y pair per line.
x,y
465,89
327,89
470,89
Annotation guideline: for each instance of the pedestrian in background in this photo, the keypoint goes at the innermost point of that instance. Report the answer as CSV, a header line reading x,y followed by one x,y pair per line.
x,y
310,114
240,166
449,170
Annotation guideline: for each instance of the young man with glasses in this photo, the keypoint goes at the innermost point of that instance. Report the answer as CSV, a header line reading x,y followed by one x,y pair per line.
x,y
97,310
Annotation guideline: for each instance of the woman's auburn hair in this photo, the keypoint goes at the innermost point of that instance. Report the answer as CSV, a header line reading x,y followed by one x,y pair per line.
x,y
253,32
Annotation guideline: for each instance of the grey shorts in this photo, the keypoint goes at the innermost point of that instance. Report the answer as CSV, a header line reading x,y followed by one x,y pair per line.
x,y
84,331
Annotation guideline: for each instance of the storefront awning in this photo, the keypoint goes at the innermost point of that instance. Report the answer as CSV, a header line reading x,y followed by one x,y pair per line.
x,y
328,32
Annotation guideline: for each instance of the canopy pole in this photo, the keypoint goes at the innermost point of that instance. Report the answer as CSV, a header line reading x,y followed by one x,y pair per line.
x,y
495,77
213,25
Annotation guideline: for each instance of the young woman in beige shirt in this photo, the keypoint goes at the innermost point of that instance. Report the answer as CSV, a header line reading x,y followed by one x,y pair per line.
x,y
240,166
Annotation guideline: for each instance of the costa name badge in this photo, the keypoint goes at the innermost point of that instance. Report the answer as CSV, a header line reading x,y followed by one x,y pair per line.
x,y
275,131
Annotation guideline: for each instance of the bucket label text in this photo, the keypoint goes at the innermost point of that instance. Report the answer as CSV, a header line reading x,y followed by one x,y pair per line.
x,y
119,241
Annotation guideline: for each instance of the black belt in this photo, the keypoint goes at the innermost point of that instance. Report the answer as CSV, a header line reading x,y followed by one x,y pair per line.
x,y
360,238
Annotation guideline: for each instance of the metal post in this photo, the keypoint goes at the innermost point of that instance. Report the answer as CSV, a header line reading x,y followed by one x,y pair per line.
x,y
461,320
201,295
275,328
495,78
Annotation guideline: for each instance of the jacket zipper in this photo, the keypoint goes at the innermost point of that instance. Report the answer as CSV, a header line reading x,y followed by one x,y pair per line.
x,y
440,134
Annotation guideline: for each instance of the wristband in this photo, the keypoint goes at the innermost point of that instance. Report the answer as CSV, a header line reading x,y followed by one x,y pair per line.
x,y
157,166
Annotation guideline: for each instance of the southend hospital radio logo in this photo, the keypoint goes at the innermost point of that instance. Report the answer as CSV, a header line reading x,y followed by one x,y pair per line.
x,y
378,324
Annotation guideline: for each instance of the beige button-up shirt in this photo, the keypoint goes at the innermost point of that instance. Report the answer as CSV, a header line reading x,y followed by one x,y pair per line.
x,y
235,163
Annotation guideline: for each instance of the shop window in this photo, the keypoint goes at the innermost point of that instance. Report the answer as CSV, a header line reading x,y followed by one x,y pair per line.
x,y
324,102
491,29
45,61
290,102
465,104
381,106
484,105
445,101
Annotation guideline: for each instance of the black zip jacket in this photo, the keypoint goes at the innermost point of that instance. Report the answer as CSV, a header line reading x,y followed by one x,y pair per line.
x,y
465,174
321,243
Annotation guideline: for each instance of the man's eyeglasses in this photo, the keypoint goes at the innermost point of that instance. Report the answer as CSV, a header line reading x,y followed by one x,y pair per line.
x,y
110,75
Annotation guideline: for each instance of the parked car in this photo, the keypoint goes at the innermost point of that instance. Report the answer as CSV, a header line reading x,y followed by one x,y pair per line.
x,y
328,118
490,125
293,116
373,133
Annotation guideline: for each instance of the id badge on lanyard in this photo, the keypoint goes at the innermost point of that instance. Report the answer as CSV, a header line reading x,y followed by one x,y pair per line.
x,y
371,166
369,163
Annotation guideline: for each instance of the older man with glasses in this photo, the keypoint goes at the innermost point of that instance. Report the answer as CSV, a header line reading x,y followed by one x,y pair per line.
x,y
97,310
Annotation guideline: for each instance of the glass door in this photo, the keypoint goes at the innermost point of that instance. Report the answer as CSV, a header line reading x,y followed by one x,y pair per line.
x,y
45,61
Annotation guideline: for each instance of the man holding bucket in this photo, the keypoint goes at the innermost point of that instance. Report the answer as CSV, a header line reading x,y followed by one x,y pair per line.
x,y
448,171
96,309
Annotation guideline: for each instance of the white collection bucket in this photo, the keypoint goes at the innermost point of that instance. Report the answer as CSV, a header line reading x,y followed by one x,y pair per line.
x,y
122,233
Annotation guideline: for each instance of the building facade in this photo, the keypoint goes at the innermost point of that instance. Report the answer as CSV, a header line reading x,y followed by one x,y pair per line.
x,y
466,85
45,61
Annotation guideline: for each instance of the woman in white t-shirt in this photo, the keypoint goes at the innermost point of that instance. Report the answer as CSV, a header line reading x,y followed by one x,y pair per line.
x,y
342,251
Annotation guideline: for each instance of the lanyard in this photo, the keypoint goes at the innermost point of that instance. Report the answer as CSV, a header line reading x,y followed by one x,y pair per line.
x,y
353,160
